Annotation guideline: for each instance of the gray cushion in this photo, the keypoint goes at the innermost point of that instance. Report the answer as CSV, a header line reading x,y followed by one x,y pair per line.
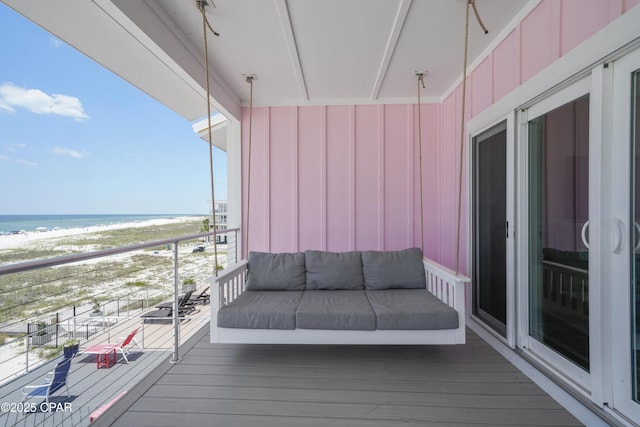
x,y
336,310
411,309
275,272
333,270
393,269
261,310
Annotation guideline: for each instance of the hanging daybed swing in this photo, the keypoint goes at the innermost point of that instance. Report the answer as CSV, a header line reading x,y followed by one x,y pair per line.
x,y
316,297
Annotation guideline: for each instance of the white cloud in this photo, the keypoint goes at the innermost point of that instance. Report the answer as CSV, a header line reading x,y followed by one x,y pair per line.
x,y
26,162
36,101
69,152
19,161
15,147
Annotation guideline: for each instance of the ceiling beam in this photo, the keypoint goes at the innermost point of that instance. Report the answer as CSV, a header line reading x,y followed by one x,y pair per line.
x,y
401,17
186,58
287,30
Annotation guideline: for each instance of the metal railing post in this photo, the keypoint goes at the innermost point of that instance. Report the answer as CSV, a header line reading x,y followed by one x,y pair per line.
x,y
176,314
57,327
84,330
26,345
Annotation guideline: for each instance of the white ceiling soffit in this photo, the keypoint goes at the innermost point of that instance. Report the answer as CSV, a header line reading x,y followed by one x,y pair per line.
x,y
218,130
343,52
334,51
303,51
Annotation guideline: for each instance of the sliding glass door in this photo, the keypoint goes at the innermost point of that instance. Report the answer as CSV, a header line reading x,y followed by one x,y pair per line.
x,y
490,228
557,134
634,247
625,218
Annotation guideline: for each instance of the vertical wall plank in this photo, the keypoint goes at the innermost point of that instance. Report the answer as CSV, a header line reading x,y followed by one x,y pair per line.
x,y
628,4
311,177
616,8
398,176
417,238
244,144
382,188
295,191
352,177
539,48
410,188
283,185
324,180
580,19
482,92
506,65
433,170
260,183
339,175
448,188
264,155
367,171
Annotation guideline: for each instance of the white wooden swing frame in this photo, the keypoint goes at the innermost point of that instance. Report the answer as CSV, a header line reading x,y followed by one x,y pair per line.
x,y
447,285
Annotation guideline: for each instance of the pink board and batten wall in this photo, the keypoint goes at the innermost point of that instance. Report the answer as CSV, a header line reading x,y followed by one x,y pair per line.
x,y
342,178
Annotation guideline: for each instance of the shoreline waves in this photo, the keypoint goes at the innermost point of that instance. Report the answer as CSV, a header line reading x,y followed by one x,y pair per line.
x,y
15,224
10,241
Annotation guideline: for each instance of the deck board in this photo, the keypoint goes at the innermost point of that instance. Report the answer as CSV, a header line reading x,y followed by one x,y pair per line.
x,y
289,385
90,387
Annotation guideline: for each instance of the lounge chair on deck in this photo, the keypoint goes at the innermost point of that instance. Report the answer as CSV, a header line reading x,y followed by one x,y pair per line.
x,y
123,347
202,298
165,310
55,380
184,304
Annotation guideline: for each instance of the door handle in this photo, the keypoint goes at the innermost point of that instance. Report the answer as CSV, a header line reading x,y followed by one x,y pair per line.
x,y
617,242
617,247
584,234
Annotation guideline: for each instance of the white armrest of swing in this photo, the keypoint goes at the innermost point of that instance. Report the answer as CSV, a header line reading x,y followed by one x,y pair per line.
x,y
228,285
225,288
449,287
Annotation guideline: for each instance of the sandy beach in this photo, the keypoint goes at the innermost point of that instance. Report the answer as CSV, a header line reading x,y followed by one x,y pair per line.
x,y
125,284
28,238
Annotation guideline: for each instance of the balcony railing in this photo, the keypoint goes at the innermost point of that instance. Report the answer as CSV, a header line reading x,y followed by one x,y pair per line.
x,y
95,297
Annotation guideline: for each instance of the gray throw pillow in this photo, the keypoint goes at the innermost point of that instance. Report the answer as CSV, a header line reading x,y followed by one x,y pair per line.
x,y
393,269
333,270
275,272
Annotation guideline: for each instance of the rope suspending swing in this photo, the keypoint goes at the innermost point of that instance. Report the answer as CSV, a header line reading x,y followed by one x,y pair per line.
x,y
471,3
420,86
249,79
206,25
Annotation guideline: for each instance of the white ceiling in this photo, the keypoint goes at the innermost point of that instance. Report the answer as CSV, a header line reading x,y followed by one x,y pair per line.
x,y
303,51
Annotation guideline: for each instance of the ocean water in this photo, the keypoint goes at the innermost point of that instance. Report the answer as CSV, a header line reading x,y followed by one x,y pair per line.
x,y
13,223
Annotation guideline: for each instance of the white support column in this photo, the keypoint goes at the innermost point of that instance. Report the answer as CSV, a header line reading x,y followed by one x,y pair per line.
x,y
234,179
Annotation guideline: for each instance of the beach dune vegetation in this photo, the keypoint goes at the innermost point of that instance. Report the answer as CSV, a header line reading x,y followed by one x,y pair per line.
x,y
137,284
122,277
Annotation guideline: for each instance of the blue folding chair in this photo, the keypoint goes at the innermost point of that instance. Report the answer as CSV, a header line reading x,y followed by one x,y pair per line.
x,y
55,380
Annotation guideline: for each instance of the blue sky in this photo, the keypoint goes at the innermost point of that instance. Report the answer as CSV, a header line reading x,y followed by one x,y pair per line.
x,y
75,138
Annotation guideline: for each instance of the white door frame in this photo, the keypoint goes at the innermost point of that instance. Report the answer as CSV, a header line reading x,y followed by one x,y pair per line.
x,y
473,132
581,379
620,272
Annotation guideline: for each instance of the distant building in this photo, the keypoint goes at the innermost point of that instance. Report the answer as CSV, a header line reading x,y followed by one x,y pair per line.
x,y
221,209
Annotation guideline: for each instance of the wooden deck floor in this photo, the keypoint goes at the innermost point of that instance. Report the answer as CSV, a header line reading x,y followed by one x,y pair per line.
x,y
89,387
264,385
